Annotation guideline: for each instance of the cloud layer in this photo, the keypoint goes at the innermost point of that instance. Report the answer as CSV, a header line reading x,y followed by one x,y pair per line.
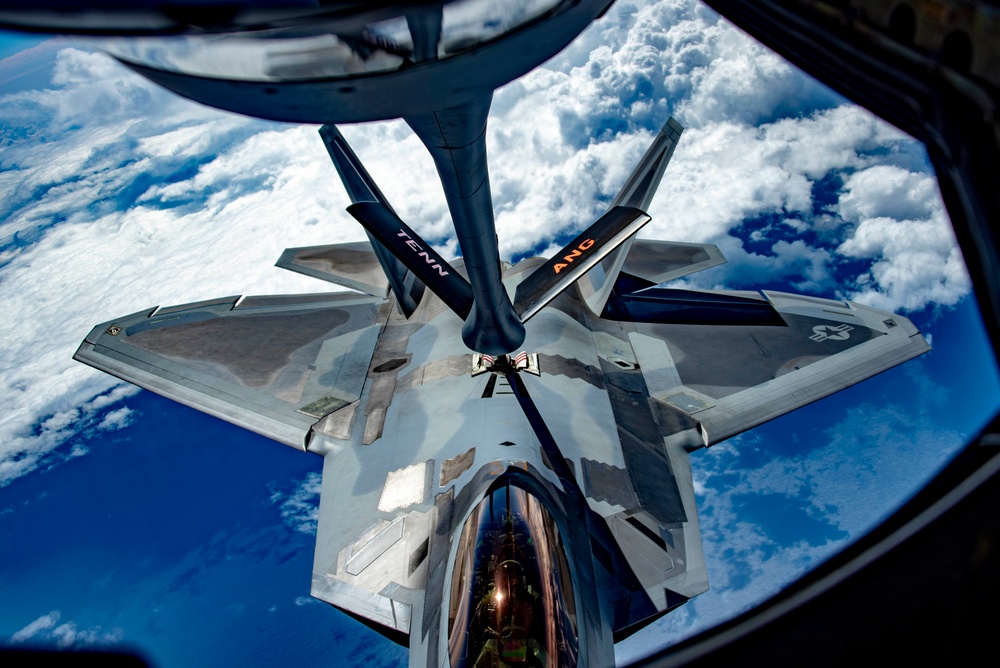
x,y
300,507
47,630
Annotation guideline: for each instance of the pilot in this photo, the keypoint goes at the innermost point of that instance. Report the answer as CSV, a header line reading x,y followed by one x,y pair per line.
x,y
512,602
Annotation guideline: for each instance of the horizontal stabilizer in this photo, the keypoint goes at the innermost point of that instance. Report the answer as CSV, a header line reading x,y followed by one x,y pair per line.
x,y
361,187
352,265
274,365
637,193
581,254
416,254
662,261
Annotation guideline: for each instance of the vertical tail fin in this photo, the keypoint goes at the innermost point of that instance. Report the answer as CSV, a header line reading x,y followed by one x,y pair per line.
x,y
405,245
583,253
638,191
360,187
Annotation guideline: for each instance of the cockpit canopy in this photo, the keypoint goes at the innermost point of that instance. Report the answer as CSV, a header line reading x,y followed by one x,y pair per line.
x,y
512,600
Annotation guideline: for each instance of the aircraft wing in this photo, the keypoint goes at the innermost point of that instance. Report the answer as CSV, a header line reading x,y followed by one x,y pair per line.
x,y
728,379
309,371
274,365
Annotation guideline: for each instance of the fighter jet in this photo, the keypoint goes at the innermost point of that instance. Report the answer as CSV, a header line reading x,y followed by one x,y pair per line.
x,y
673,370
508,445
525,507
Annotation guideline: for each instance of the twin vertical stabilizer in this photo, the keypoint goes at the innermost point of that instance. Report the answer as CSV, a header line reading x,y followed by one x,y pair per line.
x,y
410,264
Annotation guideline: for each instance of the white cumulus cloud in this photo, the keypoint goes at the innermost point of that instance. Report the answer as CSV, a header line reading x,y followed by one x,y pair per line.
x,y
900,225
300,508
891,192
46,630
37,627
117,419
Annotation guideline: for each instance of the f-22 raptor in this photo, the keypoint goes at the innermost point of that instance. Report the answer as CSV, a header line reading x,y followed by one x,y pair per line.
x,y
498,506
506,477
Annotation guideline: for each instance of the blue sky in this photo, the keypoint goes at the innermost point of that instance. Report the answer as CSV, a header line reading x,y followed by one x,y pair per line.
x,y
11,43
130,520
